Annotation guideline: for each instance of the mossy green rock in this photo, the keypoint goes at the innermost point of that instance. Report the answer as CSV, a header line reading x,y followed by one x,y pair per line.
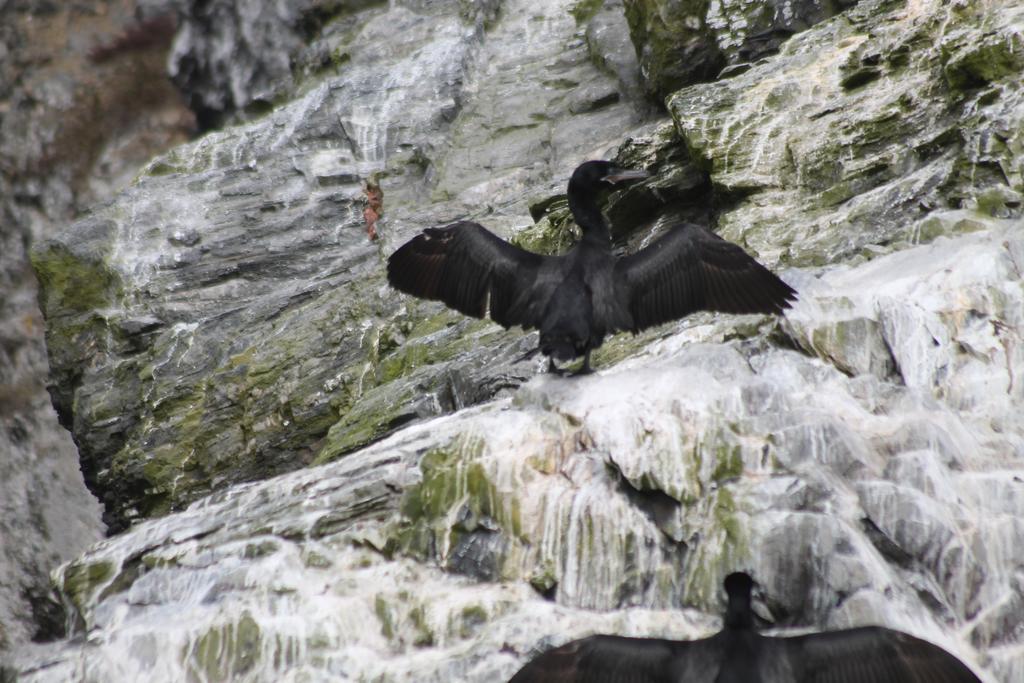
x,y
858,456
691,41
228,317
860,162
673,42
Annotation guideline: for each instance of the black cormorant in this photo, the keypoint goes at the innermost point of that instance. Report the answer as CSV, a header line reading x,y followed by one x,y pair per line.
x,y
738,654
579,297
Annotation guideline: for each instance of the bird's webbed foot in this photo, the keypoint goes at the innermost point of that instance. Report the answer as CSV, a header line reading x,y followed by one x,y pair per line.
x,y
553,369
585,369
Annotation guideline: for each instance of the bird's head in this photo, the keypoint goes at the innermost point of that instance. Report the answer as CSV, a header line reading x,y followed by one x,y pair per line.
x,y
739,584
738,614
593,175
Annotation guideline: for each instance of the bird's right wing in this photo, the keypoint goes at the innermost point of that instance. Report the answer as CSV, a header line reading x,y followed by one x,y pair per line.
x,y
690,269
605,659
871,654
474,271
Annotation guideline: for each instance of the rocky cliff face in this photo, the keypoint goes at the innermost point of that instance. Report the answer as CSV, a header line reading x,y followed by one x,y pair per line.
x,y
225,319
683,42
195,343
83,103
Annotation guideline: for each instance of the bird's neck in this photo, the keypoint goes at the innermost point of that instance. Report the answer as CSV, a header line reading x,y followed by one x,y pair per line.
x,y
588,217
738,614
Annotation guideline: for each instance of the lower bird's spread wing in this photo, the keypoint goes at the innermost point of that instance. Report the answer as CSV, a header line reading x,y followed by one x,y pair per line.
x,y
605,659
475,272
871,655
691,269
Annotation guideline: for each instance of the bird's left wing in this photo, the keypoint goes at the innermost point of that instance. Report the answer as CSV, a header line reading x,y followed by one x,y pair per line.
x,y
475,272
691,269
871,654
605,659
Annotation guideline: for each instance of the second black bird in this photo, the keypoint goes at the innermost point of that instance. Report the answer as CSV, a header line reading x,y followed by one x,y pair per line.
x,y
578,298
739,654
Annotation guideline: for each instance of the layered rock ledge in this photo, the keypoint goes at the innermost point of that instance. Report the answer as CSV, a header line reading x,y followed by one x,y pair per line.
x,y
225,319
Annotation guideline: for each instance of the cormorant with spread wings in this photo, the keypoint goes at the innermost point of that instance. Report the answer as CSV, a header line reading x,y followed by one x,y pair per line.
x,y
738,654
576,299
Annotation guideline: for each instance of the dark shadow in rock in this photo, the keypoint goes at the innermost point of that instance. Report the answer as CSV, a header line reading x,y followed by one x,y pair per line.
x,y
886,546
48,614
657,505
478,554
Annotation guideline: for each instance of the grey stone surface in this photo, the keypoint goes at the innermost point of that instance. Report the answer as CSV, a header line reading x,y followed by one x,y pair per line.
x,y
681,42
225,318
235,60
460,546
74,127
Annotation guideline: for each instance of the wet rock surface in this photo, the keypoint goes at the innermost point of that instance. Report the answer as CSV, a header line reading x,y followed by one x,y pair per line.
x,y
865,145
692,41
226,319
601,502
84,101
236,60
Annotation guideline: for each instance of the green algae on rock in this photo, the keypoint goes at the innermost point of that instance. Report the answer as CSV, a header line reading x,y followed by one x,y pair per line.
x,y
226,651
612,502
675,48
232,319
681,43
859,165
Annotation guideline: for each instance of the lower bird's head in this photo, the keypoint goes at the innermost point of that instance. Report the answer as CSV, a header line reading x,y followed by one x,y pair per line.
x,y
738,612
738,583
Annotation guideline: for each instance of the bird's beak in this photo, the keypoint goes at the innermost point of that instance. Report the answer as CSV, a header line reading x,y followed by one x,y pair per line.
x,y
620,174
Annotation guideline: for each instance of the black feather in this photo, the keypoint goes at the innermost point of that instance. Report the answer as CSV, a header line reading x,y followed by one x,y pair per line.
x,y
706,272
577,299
738,654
